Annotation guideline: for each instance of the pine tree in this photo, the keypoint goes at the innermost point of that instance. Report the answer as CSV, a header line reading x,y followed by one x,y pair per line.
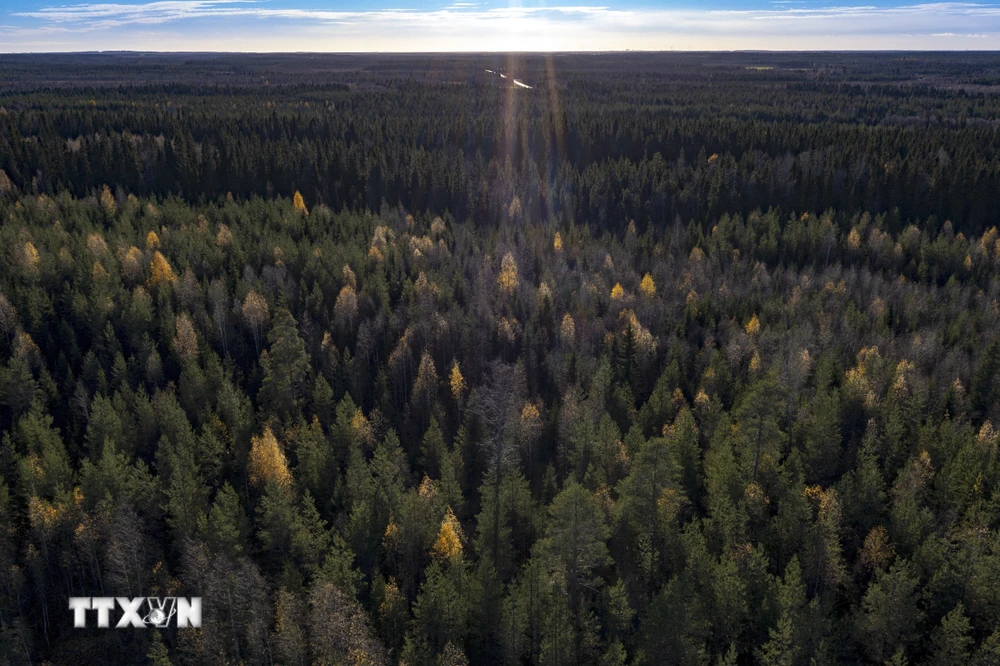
x,y
780,647
575,547
225,527
433,450
158,654
889,612
982,390
286,367
950,641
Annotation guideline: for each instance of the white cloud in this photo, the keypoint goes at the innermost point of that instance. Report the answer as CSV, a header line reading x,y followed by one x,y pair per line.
x,y
255,25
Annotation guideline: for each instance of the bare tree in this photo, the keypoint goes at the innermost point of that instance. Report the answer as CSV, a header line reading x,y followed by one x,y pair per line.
x,y
255,313
339,629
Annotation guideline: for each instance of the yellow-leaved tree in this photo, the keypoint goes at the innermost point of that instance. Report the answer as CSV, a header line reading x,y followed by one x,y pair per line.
x,y
530,418
299,204
448,546
508,279
647,287
98,272
225,237
437,227
345,308
108,200
267,461
361,431
29,257
567,330
160,270
854,240
457,382
26,349
349,278
529,429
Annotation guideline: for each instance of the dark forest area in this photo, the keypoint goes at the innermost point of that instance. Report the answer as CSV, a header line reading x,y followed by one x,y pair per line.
x,y
616,359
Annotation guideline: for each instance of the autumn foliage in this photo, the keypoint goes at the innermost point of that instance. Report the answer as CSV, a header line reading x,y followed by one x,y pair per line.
x,y
508,280
299,204
267,462
448,545
160,271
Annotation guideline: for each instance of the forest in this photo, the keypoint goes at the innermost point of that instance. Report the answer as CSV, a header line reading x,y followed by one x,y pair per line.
x,y
666,359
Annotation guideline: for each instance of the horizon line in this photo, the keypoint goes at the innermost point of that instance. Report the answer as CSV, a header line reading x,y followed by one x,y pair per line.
x,y
505,51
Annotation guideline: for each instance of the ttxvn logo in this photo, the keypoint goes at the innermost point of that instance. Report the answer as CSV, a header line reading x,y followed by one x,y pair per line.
x,y
138,612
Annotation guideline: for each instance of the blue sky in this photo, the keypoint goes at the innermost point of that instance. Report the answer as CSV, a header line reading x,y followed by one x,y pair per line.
x,y
492,25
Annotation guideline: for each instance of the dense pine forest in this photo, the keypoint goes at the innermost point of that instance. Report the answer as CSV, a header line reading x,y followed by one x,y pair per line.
x,y
664,359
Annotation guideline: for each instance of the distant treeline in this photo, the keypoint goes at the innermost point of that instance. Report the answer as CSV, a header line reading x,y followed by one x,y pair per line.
x,y
586,145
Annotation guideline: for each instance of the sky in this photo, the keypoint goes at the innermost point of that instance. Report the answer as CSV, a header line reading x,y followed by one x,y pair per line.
x,y
494,25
